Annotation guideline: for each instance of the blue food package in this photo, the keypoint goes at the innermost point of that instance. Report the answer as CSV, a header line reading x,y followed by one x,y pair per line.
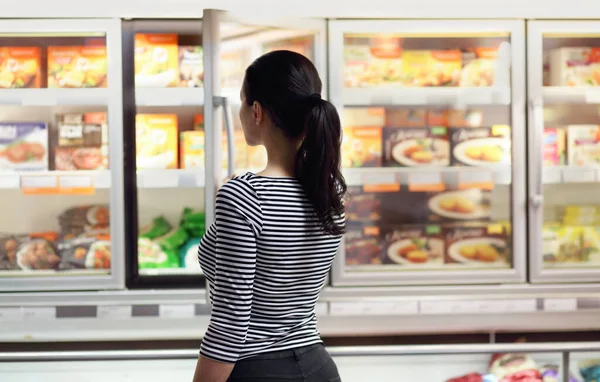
x,y
590,370
23,146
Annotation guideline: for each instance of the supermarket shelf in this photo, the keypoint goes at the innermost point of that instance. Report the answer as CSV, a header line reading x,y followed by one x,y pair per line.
x,y
169,96
175,178
574,95
56,180
170,272
450,96
570,174
54,273
53,97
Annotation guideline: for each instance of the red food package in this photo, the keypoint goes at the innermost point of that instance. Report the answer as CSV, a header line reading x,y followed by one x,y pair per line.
x,y
473,377
524,376
514,368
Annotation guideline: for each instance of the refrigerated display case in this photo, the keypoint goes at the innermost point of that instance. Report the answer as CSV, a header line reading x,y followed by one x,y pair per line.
x,y
433,151
564,155
61,148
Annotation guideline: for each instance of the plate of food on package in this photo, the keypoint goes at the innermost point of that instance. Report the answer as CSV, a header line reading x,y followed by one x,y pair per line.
x,y
483,152
421,251
98,256
422,152
482,250
37,254
462,205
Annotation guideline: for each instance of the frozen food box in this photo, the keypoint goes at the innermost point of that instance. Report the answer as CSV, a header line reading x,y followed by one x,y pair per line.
x,y
362,206
257,157
191,149
415,147
482,146
583,145
570,245
479,67
80,142
23,146
85,252
37,253
191,67
465,118
373,61
431,67
460,205
361,147
554,147
20,67
156,141
9,245
575,66
438,117
405,117
478,245
364,246
420,246
156,60
77,67
363,117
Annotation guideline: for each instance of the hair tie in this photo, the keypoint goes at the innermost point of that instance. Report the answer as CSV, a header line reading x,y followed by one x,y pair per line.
x,y
315,97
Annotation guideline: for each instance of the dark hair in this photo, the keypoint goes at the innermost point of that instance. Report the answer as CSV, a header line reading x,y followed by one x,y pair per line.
x,y
288,87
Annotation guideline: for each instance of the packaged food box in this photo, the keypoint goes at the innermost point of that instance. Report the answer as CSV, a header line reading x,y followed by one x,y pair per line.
x,y
156,60
151,255
156,141
191,67
77,67
405,117
362,206
465,118
191,147
431,67
363,246
481,146
257,157
480,70
373,61
575,66
438,117
20,67
583,145
37,253
570,244
414,246
23,146
460,205
85,253
93,219
363,117
361,147
415,147
9,245
80,142
554,147
481,245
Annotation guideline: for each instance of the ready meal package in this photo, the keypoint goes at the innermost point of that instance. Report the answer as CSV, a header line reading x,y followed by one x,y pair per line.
x,y
80,142
361,147
415,147
363,246
37,253
459,205
9,246
482,146
85,253
152,255
570,244
363,117
23,146
77,67
191,149
465,118
420,246
583,145
20,67
478,245
405,117
85,218
574,66
156,141
159,226
479,67
431,67
554,147
191,67
362,206
156,60
373,61
512,367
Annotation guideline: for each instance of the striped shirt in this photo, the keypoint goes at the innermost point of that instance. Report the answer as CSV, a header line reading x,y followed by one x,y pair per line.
x,y
266,259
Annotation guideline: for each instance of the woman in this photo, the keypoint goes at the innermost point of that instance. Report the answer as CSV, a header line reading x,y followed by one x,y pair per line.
x,y
276,233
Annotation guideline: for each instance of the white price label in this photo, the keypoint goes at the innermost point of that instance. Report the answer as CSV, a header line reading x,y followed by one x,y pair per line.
x,y
552,175
346,308
114,312
425,178
490,306
382,100
560,304
466,97
353,178
579,175
379,178
39,313
161,179
41,97
476,177
11,314
391,308
521,306
10,181
39,182
102,179
176,311
76,181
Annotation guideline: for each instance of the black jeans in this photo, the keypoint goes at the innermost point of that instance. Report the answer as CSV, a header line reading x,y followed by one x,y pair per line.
x,y
304,364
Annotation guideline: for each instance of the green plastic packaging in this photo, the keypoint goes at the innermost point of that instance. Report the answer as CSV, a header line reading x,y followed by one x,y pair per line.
x,y
159,227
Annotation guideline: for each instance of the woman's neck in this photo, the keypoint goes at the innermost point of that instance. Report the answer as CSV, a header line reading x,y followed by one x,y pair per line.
x,y
281,155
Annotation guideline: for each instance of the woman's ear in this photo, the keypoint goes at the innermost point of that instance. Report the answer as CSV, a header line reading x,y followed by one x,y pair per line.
x,y
257,112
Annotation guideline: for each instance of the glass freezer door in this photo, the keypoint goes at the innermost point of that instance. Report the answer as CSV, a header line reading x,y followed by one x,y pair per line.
x,y
564,139
433,150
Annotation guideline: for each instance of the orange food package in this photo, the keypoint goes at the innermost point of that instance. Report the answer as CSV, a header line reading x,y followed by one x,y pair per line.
x,y
77,67
156,141
20,67
405,117
191,149
431,67
479,67
361,147
156,60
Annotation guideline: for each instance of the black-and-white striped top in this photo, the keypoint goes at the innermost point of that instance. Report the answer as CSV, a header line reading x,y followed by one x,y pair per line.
x,y
266,259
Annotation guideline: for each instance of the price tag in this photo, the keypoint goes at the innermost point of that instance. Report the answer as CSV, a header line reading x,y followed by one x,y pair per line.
x,y
114,312
39,185
419,98
10,181
551,175
353,178
39,313
176,311
161,179
77,185
382,100
560,304
466,97
521,306
579,175
346,308
11,314
321,309
592,96
447,307
380,182
40,97
426,181
200,180
483,180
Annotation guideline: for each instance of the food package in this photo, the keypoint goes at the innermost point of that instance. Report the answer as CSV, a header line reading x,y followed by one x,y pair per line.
x,y
191,67
77,67
438,117
465,118
514,368
575,66
415,147
583,145
361,147
156,60
188,254
92,219
191,149
362,206
37,253
373,61
20,67
257,157
405,117
9,245
301,45
23,146
590,370
151,255
478,245
479,67
554,147
363,117
194,222
415,246
581,215
80,142
472,377
158,227
173,240
482,146
156,141
364,246
431,67
85,252
570,244
199,122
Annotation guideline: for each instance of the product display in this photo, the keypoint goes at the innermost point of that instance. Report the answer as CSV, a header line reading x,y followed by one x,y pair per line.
x,y
77,67
555,151
191,66
23,146
20,67
156,60
410,147
191,149
156,141
480,146
80,142
574,66
583,145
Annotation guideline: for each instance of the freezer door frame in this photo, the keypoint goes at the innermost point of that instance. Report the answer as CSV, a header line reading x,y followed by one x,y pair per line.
x,y
516,30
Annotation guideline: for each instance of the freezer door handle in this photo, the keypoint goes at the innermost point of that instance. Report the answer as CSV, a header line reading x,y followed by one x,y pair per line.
x,y
228,119
537,200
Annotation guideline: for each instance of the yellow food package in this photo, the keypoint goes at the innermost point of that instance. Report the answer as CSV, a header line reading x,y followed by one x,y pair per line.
x,y
431,67
20,67
77,67
361,147
156,141
191,149
564,245
156,60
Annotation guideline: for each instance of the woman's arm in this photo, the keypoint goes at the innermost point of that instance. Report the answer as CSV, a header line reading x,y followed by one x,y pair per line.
x,y
208,370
